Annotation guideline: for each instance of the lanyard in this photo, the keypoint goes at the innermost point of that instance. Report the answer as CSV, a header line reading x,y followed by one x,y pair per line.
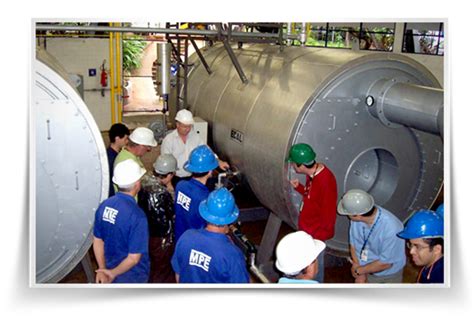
x,y
428,276
370,232
307,189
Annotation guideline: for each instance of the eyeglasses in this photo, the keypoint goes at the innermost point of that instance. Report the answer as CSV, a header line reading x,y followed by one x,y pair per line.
x,y
416,246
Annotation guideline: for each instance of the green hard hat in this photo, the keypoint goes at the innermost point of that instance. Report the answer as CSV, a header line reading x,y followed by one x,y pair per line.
x,y
301,153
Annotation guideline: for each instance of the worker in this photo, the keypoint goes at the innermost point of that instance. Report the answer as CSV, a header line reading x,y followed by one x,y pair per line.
x,y
377,254
190,193
140,142
157,200
318,209
425,234
208,255
118,136
165,168
121,231
181,141
297,258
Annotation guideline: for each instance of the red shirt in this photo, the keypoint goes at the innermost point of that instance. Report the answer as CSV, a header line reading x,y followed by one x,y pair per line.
x,y
318,213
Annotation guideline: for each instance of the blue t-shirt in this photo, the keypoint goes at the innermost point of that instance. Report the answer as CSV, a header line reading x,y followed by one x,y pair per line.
x,y
286,280
123,227
383,244
434,274
202,256
111,155
189,195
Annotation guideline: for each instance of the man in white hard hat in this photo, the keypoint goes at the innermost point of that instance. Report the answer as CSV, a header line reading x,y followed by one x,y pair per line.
x,y
297,258
157,200
121,231
140,142
180,143
377,253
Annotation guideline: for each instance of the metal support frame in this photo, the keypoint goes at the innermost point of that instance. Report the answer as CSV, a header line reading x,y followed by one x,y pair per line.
x,y
235,62
201,57
87,267
207,33
267,246
226,36
186,70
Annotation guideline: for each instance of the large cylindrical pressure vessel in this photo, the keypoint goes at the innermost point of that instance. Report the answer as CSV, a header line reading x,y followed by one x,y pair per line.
x,y
316,96
70,175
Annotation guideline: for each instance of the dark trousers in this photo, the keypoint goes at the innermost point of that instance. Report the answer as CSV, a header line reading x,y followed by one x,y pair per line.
x,y
160,253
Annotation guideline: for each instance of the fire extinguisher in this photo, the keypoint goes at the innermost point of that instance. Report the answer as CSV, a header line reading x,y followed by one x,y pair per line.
x,y
103,77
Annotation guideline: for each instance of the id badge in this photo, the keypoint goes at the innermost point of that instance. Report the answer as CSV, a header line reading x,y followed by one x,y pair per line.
x,y
364,255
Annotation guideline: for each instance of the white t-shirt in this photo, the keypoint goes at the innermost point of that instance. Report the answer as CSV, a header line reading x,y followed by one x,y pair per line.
x,y
173,144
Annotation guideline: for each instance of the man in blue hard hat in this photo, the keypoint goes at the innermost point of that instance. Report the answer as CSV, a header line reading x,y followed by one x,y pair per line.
x,y
208,255
424,232
189,193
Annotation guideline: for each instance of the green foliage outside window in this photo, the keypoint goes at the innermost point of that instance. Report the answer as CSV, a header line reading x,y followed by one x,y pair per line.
x,y
132,50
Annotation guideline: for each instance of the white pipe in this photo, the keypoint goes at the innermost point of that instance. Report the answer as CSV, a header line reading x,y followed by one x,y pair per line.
x,y
303,34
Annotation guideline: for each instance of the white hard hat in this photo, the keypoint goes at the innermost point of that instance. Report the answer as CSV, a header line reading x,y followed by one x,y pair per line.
x,y
296,251
355,202
143,136
185,117
127,173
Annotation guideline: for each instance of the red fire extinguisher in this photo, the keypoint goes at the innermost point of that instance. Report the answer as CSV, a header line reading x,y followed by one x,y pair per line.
x,y
103,77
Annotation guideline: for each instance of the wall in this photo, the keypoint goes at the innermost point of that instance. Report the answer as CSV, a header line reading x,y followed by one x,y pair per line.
x,y
77,56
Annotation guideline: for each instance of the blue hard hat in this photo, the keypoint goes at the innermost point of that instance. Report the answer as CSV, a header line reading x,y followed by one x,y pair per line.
x,y
440,210
201,160
423,224
219,208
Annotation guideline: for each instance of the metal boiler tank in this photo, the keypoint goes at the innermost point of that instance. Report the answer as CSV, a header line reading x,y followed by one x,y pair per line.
x,y
374,119
69,171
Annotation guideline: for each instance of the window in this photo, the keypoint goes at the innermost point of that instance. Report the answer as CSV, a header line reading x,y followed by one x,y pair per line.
x,y
372,36
424,38
377,36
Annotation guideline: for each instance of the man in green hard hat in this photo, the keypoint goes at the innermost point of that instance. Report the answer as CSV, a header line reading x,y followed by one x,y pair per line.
x,y
318,208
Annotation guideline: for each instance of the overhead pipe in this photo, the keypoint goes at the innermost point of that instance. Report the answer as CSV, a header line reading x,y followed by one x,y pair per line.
x,y
209,33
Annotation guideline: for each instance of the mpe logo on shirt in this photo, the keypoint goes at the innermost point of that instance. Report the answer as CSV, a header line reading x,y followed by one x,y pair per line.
x,y
184,201
199,259
109,215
